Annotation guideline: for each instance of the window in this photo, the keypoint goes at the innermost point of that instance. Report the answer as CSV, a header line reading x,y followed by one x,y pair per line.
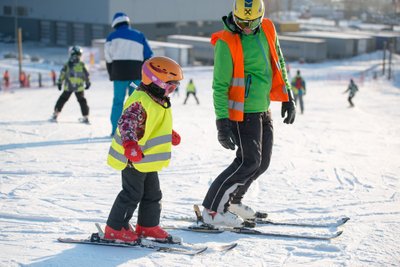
x,y
22,11
7,10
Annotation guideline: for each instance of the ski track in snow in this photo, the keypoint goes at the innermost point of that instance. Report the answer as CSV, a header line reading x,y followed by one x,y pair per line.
x,y
333,161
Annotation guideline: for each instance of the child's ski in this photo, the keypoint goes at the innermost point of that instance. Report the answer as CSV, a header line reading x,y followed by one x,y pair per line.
x,y
141,243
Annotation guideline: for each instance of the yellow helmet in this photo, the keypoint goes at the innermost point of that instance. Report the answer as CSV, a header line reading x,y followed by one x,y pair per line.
x,y
248,9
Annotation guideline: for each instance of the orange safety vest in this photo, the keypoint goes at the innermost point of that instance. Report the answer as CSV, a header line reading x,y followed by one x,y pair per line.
x,y
237,88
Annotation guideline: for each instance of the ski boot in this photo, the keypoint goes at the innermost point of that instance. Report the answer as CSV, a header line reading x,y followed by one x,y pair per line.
x,y
85,119
124,235
54,117
244,211
228,218
159,234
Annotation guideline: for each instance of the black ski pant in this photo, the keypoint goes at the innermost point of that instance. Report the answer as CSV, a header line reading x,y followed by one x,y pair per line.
x,y
141,189
195,97
254,138
80,96
350,99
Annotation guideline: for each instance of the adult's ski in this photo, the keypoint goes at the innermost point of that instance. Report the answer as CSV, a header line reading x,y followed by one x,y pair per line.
x,y
337,223
261,220
205,228
202,227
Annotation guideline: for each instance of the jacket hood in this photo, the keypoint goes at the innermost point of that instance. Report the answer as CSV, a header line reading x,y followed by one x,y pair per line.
x,y
229,24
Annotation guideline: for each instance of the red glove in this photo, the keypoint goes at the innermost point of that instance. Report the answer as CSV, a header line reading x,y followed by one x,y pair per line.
x,y
133,151
176,138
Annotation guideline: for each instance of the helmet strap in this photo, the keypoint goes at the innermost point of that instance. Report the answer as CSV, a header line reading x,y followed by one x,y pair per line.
x,y
154,78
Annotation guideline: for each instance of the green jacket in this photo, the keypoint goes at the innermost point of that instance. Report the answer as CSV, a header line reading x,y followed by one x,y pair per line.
x,y
257,69
74,75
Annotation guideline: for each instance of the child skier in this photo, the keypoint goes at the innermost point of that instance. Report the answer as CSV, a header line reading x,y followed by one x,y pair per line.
x,y
140,148
191,90
75,77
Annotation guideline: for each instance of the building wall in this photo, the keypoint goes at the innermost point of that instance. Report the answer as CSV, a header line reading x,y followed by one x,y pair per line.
x,y
59,22
304,49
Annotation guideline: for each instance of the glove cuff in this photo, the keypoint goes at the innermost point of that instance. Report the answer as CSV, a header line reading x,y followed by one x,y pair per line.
x,y
130,143
223,124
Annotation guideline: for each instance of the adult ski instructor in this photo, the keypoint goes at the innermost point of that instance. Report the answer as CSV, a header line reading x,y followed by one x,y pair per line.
x,y
125,51
249,72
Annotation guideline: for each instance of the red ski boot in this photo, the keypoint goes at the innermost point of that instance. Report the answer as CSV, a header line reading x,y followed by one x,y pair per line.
x,y
123,235
156,232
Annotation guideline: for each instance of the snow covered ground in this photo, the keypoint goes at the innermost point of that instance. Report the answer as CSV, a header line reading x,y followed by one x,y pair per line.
x,y
333,161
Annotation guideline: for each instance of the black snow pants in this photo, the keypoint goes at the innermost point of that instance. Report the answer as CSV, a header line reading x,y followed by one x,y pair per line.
x,y
254,137
350,99
80,96
141,189
195,97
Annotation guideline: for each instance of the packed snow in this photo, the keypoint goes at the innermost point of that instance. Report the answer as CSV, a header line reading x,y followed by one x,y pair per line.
x,y
333,161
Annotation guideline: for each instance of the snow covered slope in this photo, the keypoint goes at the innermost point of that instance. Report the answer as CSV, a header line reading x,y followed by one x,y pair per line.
x,y
333,161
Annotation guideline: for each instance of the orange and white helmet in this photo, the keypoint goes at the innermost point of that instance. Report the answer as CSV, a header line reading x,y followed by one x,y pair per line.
x,y
162,71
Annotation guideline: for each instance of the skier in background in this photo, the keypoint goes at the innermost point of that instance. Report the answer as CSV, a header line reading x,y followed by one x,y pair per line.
x,y
191,90
125,51
140,148
352,89
53,76
22,79
6,79
299,90
40,79
75,78
244,83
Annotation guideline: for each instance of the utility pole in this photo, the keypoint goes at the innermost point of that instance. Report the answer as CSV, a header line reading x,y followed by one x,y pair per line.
x,y
391,50
19,51
384,57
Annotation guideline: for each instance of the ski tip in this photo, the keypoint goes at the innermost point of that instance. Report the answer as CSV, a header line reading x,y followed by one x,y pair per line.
x,y
339,233
345,219
200,251
64,240
231,246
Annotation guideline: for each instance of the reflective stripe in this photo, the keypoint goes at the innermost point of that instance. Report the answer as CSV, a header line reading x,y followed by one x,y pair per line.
x,y
155,157
284,89
118,139
236,105
157,141
278,65
237,82
149,144
117,155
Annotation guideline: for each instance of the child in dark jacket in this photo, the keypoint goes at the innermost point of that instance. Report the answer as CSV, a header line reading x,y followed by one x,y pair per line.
x,y
140,148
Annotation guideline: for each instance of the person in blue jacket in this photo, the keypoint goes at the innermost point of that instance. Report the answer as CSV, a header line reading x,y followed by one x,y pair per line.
x,y
125,51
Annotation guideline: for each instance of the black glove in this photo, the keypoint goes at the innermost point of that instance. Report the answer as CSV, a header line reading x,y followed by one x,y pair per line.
x,y
87,85
59,86
290,108
225,134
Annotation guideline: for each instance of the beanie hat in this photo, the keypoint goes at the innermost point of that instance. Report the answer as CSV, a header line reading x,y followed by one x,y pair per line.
x,y
118,18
